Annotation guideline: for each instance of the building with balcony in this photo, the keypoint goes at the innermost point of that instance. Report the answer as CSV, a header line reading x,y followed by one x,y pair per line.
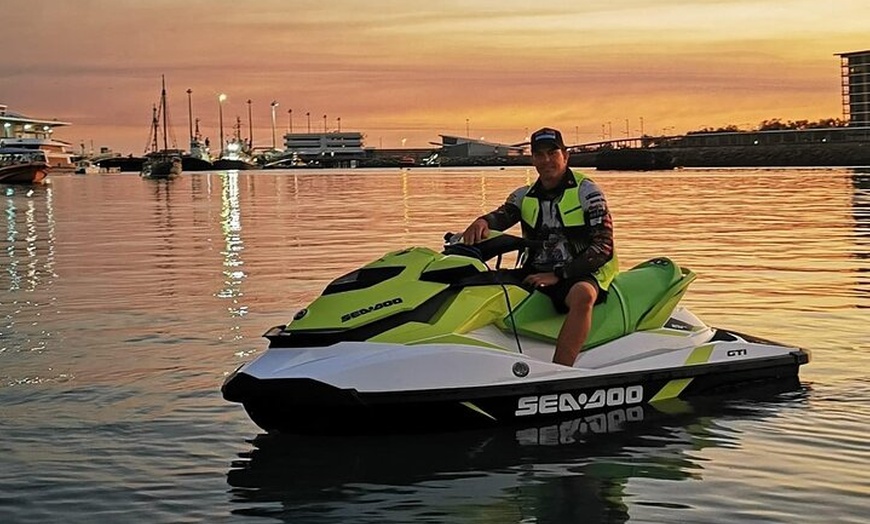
x,y
330,149
855,87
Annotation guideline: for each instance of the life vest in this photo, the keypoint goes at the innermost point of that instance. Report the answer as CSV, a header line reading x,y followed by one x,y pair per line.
x,y
571,215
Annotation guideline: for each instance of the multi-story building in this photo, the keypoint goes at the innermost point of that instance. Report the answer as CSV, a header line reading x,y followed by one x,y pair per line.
x,y
855,82
333,148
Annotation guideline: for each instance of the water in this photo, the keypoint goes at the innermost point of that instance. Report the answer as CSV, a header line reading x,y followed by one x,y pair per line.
x,y
125,302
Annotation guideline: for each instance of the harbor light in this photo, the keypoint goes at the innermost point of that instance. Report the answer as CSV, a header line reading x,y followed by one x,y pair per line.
x,y
221,98
274,105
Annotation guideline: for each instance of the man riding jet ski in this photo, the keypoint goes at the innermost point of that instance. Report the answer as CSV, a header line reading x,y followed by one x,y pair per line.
x,y
574,260
422,340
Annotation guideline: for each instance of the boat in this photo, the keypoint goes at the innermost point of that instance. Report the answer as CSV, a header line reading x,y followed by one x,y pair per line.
x,y
198,158
23,166
421,340
122,164
24,132
236,153
86,166
162,162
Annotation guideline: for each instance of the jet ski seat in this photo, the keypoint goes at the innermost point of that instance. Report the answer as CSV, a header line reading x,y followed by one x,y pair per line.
x,y
639,299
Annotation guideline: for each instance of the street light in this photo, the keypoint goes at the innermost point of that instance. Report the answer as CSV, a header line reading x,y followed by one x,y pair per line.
x,y
221,98
339,124
250,126
324,123
289,120
190,113
274,105
308,117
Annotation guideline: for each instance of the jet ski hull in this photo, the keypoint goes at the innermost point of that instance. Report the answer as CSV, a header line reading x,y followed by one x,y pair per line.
x,y
291,400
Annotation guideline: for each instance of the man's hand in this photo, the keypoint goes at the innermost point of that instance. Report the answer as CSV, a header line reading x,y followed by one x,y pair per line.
x,y
477,231
539,280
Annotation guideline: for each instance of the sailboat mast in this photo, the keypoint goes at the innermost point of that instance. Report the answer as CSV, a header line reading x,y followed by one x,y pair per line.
x,y
154,129
163,104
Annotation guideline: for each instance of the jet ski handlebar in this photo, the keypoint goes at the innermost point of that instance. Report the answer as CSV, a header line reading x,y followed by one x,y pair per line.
x,y
496,244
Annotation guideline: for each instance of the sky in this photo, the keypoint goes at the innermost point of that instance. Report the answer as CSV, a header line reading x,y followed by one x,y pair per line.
x,y
404,72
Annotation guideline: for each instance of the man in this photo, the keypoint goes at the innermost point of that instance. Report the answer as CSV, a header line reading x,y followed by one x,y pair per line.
x,y
568,213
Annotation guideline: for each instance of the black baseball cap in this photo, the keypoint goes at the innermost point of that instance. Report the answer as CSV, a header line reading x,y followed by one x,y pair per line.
x,y
546,137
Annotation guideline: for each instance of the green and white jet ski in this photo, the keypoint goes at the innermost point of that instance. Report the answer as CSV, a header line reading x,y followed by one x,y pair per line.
x,y
421,340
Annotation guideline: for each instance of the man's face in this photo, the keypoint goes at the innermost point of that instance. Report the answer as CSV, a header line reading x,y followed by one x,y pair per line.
x,y
550,164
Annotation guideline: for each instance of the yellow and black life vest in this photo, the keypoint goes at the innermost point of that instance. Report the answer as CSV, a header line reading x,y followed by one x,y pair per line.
x,y
571,215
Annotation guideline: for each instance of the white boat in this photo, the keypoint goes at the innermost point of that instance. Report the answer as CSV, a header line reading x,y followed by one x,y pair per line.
x,y
23,132
199,156
86,167
236,153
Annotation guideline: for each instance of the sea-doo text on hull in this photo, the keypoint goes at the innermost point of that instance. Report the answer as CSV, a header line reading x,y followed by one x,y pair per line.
x,y
419,340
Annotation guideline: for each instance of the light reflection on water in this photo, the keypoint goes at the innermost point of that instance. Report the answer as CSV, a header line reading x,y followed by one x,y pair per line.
x,y
126,301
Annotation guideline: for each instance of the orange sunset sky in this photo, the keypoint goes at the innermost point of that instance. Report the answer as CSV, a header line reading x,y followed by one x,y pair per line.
x,y
403,72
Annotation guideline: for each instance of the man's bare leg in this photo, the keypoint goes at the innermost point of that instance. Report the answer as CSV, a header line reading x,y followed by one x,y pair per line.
x,y
580,301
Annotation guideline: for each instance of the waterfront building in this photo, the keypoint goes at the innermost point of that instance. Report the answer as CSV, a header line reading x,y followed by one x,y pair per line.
x,y
855,82
458,146
333,148
776,137
17,130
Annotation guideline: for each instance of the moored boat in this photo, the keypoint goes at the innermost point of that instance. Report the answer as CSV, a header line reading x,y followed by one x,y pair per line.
x,y
236,153
199,157
86,167
22,166
165,162
24,132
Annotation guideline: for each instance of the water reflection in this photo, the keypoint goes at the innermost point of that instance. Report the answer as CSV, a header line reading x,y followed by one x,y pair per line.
x,y
30,238
861,213
231,227
569,471
163,221
28,263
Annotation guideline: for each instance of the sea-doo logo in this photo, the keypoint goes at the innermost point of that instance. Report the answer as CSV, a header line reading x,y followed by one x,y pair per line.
x,y
375,307
571,430
566,402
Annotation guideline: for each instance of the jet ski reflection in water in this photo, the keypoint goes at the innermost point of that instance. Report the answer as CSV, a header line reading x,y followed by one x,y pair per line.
x,y
420,340
543,469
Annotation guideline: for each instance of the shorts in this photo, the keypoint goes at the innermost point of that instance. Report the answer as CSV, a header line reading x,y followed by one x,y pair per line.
x,y
558,292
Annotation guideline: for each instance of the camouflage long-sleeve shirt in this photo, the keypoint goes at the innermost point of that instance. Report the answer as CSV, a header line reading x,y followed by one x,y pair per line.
x,y
570,252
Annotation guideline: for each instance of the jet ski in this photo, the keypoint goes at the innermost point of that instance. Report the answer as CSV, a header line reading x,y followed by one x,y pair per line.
x,y
419,340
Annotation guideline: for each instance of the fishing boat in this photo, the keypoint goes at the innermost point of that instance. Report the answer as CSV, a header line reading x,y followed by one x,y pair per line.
x,y
22,166
198,158
236,153
162,162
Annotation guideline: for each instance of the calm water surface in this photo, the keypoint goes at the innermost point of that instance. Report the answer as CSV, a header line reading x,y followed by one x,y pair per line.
x,y
124,303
